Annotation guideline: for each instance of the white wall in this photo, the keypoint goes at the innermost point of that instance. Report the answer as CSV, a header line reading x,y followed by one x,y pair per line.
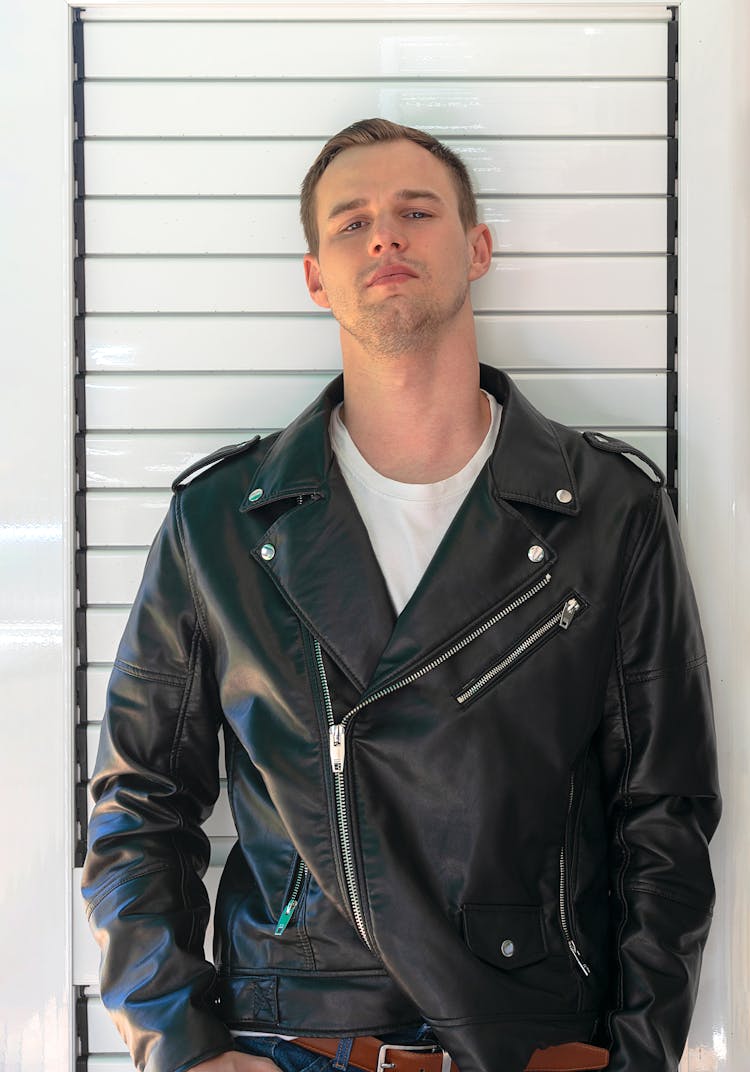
x,y
714,479
36,530
36,523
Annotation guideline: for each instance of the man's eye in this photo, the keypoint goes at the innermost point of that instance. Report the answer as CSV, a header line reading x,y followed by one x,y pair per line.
x,y
354,225
419,214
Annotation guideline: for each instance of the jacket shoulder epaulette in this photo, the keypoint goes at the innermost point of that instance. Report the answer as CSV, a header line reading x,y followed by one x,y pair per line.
x,y
627,450
220,455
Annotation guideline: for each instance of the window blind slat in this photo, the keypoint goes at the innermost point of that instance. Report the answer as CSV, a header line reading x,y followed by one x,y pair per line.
x,y
377,50
310,342
115,400
270,226
271,168
117,518
264,109
276,285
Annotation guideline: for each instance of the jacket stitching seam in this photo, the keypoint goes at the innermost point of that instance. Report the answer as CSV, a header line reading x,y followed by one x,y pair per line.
x,y
304,937
574,863
194,594
619,887
150,870
133,670
620,831
566,460
645,887
648,526
665,671
243,974
230,747
492,1018
229,928
174,762
175,750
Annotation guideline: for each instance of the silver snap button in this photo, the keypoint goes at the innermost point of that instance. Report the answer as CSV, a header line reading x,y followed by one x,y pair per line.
x,y
255,494
536,553
563,495
507,948
267,551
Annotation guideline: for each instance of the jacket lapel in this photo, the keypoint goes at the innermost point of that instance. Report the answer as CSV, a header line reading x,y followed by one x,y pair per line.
x,y
323,561
480,565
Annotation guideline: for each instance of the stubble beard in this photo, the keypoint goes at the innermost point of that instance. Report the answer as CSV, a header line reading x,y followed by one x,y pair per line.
x,y
397,325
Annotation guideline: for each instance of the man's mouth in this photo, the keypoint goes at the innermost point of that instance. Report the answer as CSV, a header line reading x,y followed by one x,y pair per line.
x,y
392,273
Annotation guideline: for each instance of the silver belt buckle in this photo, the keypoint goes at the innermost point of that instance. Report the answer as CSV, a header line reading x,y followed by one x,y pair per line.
x,y
383,1064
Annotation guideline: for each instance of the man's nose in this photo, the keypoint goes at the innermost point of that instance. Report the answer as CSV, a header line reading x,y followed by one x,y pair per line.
x,y
386,235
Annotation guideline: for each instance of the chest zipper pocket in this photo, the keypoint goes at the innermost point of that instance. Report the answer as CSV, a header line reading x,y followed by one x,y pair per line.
x,y
561,619
299,874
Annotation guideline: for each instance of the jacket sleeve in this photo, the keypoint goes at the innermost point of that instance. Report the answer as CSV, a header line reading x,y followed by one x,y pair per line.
x,y
659,764
155,782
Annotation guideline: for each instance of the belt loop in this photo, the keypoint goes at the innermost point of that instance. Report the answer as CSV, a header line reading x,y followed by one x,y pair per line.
x,y
343,1050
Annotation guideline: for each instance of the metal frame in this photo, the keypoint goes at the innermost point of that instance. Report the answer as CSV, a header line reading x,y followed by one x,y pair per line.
x,y
311,9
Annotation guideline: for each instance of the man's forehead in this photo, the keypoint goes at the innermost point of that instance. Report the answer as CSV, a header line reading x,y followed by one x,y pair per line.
x,y
360,171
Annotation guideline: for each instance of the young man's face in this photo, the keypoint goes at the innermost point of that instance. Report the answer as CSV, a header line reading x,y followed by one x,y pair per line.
x,y
394,262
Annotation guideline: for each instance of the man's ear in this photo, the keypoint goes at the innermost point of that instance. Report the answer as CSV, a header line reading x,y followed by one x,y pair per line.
x,y
314,281
480,250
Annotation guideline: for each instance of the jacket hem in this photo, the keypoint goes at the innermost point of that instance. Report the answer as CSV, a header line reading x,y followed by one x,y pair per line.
x,y
314,1003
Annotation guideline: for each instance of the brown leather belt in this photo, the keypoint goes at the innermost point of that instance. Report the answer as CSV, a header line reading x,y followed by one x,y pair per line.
x,y
371,1055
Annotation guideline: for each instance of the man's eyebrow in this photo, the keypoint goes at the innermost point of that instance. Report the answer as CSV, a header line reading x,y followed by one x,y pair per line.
x,y
400,195
418,195
346,206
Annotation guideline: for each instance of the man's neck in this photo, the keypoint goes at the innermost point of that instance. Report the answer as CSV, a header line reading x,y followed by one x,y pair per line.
x,y
416,417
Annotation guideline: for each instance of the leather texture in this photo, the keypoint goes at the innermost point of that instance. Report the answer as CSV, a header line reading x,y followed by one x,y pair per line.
x,y
531,861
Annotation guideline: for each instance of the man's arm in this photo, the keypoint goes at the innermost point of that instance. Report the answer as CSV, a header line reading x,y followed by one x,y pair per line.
x,y
658,755
155,782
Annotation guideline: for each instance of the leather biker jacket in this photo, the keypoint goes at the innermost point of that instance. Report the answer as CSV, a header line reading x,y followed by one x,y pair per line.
x,y
491,813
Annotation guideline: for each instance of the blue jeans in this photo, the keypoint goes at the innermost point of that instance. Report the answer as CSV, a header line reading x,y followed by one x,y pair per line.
x,y
293,1058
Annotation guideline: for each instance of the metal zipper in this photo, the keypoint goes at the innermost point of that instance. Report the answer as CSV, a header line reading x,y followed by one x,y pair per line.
x,y
345,841
337,740
563,891
300,872
561,619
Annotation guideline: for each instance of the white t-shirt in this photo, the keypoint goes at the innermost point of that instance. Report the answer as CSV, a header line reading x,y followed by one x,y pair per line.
x,y
406,522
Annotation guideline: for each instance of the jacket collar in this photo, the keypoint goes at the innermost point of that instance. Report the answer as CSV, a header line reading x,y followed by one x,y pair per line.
x,y
529,463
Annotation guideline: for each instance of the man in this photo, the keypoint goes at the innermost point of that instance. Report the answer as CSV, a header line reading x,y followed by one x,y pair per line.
x,y
456,658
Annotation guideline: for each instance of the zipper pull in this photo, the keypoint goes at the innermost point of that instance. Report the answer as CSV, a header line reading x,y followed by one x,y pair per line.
x,y
578,959
285,916
569,612
337,744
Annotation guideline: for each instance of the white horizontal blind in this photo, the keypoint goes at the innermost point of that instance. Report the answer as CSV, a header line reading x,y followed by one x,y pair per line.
x,y
196,328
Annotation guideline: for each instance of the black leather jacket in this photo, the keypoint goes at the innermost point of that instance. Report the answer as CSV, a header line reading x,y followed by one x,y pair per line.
x,y
514,848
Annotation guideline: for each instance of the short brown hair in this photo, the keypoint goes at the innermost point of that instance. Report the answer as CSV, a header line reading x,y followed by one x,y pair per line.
x,y
370,132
